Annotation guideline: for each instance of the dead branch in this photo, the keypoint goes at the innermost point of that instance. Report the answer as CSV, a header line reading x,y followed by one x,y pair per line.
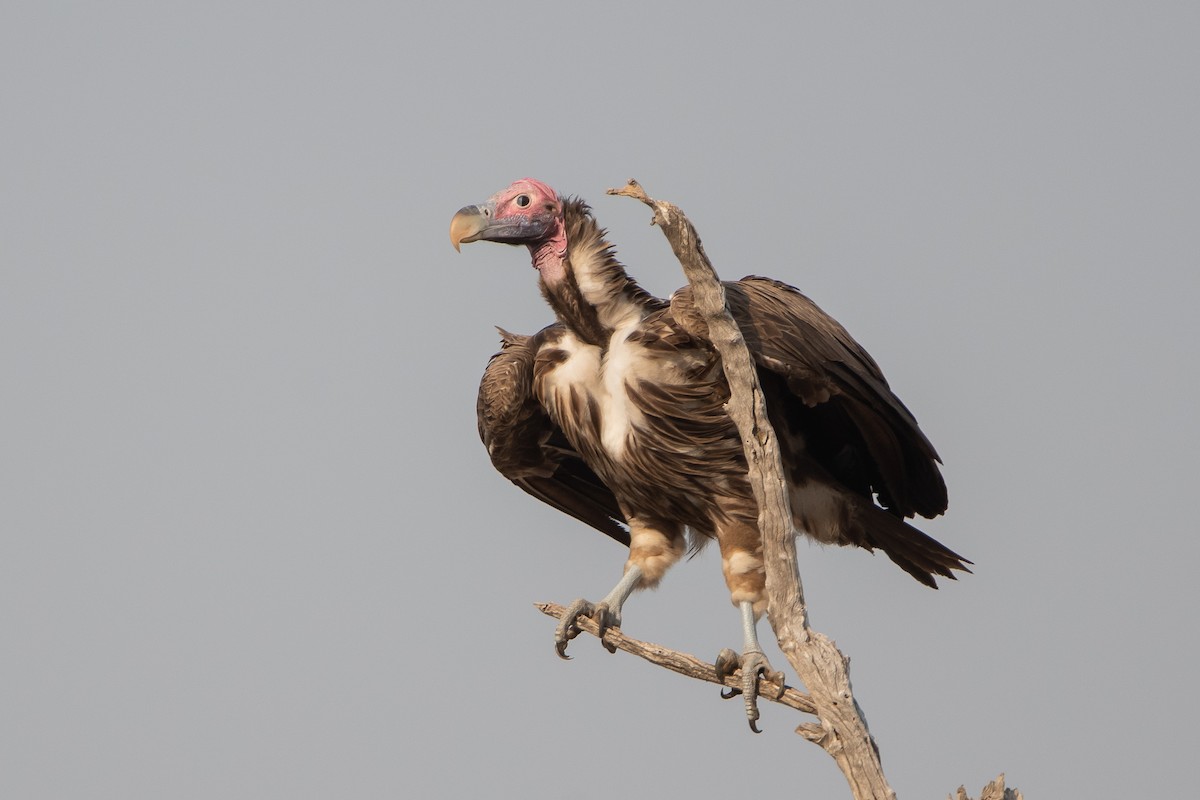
x,y
993,791
682,663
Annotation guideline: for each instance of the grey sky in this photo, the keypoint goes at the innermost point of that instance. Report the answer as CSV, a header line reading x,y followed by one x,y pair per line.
x,y
251,546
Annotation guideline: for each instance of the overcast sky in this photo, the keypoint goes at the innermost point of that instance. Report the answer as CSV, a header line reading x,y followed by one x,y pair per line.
x,y
250,545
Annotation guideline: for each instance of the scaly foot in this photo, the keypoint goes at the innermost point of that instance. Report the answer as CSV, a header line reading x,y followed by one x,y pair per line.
x,y
606,613
753,665
568,627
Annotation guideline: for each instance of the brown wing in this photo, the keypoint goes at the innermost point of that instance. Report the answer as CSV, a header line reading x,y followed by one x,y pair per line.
x,y
530,450
831,395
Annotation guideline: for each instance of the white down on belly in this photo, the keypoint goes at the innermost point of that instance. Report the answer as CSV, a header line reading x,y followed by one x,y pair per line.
x,y
604,380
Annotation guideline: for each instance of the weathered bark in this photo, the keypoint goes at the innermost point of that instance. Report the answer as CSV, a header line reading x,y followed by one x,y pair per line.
x,y
993,791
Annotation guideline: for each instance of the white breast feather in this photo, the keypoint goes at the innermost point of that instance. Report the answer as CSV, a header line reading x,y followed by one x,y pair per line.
x,y
618,415
581,368
603,381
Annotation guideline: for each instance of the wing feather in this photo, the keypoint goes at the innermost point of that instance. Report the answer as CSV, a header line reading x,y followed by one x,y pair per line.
x,y
840,403
530,450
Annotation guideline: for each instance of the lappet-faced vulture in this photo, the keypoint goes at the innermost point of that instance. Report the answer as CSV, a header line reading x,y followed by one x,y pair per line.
x,y
615,415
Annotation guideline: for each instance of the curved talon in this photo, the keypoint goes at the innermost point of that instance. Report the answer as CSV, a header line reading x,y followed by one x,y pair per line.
x,y
750,690
777,678
568,627
754,668
726,664
605,619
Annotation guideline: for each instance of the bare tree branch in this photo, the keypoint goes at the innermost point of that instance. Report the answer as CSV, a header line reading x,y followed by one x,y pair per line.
x,y
993,791
682,663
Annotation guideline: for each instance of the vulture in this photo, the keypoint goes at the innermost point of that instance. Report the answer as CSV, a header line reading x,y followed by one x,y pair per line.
x,y
615,414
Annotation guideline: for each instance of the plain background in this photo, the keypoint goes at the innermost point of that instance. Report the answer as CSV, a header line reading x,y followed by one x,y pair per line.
x,y
251,546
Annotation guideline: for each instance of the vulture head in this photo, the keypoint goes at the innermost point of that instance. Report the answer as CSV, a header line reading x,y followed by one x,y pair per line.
x,y
529,212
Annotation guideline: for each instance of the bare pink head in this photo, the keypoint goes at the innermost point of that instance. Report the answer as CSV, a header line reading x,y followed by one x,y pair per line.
x,y
528,212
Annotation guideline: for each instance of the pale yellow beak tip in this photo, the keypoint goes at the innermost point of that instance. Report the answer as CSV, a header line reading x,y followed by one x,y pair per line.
x,y
466,225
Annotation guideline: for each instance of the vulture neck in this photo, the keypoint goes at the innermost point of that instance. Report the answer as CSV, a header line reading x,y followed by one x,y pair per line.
x,y
587,287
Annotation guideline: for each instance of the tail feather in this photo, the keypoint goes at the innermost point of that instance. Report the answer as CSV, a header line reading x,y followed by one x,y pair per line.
x,y
914,552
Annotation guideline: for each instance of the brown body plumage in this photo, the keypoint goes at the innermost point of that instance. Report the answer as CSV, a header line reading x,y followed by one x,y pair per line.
x,y
615,414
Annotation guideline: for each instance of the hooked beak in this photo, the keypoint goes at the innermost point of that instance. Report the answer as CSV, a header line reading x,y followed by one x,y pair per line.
x,y
468,224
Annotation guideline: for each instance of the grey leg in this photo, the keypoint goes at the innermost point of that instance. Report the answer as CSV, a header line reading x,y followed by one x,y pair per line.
x,y
607,612
751,662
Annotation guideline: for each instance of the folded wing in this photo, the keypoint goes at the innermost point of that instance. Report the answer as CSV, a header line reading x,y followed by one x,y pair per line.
x,y
530,450
829,396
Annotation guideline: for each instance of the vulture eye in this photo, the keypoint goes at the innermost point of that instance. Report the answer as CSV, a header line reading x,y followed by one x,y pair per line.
x,y
523,200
